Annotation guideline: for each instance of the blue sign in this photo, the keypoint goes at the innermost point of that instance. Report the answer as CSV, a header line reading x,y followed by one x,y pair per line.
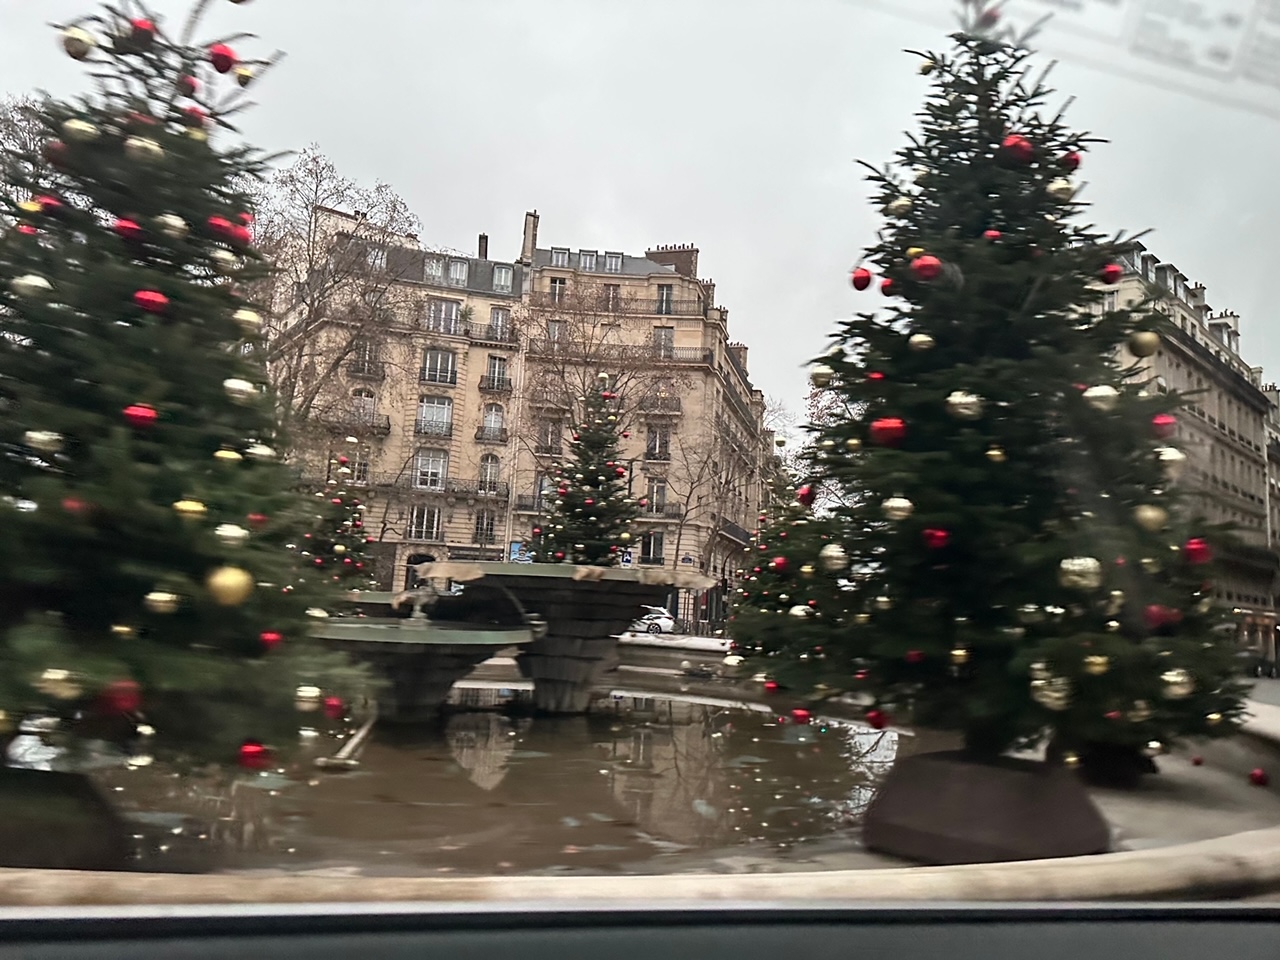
x,y
518,553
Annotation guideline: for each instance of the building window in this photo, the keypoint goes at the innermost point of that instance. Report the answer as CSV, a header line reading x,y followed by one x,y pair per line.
x,y
554,329
558,287
613,263
457,273
363,350
442,316
657,495
658,445
559,257
430,467
433,270
435,417
664,342
612,297
494,422
376,257
652,548
502,276
486,520
363,404
666,299
497,369
587,260
549,433
424,523
438,366
360,469
490,473
499,323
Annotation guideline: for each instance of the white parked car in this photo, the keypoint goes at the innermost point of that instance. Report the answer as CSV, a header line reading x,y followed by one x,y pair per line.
x,y
654,620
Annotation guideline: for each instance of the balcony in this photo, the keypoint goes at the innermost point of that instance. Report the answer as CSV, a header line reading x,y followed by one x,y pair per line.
x,y
735,532
438,376
530,503
447,486
662,511
623,352
366,369
433,428
633,306
478,488
501,334
548,449
495,384
657,456
491,434
670,406
359,422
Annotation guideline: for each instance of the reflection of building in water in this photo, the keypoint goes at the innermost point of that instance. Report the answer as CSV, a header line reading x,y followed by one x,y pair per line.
x,y
482,744
489,696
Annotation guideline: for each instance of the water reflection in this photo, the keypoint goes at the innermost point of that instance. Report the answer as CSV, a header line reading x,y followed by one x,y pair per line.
x,y
632,786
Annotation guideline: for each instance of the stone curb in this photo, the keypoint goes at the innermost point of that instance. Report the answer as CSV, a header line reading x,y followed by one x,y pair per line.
x,y
1243,864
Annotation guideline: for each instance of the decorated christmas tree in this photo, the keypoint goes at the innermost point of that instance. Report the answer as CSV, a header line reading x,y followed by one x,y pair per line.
x,y
1018,565
592,512
143,510
334,548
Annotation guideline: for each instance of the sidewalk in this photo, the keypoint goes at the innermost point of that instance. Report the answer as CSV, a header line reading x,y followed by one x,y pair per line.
x,y
1264,722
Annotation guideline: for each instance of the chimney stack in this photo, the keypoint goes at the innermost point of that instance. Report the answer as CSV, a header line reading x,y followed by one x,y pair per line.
x,y
482,247
683,258
530,242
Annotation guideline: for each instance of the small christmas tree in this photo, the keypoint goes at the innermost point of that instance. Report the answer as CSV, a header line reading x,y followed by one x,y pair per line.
x,y
334,548
144,510
1019,568
592,510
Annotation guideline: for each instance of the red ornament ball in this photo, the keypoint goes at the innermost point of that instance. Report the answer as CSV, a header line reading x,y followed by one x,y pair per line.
x,y
860,278
257,520
74,505
806,494
1258,777
936,538
875,375
219,226
27,229
245,217
886,286
55,152
140,415
127,229
1071,161
1163,425
991,235
559,554
239,235
187,86
142,33
926,267
770,686
1113,714
779,564
620,471
888,430
194,116
1017,148
222,57
334,708
270,638
1111,273
1197,760
861,674
1197,550
152,301
800,715
915,656
253,755
121,696
1157,615
49,205
877,719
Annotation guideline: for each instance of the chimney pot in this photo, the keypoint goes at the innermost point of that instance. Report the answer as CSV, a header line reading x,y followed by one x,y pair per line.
x,y
482,247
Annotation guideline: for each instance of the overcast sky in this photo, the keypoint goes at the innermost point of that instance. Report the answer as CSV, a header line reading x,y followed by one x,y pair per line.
x,y
730,124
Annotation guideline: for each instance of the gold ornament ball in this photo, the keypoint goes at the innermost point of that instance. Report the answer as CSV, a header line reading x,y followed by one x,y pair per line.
x,y
190,509
260,452
1052,693
78,43
172,226
799,611
883,603
198,134
1178,684
1153,748
1030,613
964,405
1103,398
927,67
1141,712
80,131
244,75
1213,719
821,375
249,321
920,342
46,441
161,601
1144,343
1096,664
229,586
1112,626
853,444
808,570
960,656
1150,564
914,252
827,443
1115,602
224,262
1061,189
1039,670
624,536
996,454
232,534
1071,759
1150,517
897,508
122,630
31,286
307,698
240,391
58,683
143,149
899,206
862,619
227,455
1080,573
1173,461
339,548
318,613
833,558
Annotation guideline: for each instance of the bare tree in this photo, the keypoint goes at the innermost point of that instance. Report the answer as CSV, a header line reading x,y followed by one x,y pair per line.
x,y
341,252
707,487
21,137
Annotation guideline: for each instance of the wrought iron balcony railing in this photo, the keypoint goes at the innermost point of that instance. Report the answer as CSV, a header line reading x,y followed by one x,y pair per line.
x,y
433,428
491,434
492,384
366,369
438,376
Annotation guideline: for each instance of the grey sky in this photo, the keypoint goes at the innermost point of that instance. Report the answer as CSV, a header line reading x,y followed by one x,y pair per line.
x,y
731,124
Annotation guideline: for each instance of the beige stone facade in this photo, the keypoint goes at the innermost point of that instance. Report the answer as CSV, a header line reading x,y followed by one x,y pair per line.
x,y
453,401
1223,431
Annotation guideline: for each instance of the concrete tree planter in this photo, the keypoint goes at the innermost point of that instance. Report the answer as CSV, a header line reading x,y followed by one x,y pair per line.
x,y
583,609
